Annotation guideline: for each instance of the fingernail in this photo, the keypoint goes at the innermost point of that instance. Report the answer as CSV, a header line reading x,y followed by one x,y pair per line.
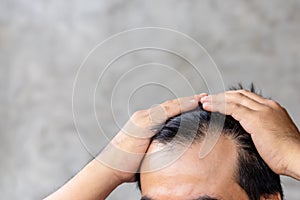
x,y
205,98
206,104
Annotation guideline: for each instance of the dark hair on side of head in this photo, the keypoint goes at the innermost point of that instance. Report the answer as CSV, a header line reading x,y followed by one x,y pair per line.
x,y
252,174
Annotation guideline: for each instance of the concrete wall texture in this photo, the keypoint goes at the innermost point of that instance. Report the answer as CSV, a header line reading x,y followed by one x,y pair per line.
x,y
42,44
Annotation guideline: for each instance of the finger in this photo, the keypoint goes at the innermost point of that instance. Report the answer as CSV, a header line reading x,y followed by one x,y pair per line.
x,y
146,122
240,98
199,96
237,111
253,96
234,97
182,105
174,107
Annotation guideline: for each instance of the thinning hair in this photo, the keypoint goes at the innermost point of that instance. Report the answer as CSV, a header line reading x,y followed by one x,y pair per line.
x,y
252,174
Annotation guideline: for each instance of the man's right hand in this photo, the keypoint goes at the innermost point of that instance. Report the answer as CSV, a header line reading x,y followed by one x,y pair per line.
x,y
121,158
126,151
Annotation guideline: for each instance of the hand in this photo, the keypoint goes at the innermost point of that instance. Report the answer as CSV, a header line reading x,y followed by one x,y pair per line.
x,y
121,158
126,151
273,132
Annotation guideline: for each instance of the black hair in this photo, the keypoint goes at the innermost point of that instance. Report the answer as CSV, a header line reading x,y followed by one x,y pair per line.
x,y
252,174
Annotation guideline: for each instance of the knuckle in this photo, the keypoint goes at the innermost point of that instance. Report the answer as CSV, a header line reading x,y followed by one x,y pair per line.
x,y
274,104
139,114
173,101
268,109
234,105
242,96
166,107
168,104
239,96
231,108
241,93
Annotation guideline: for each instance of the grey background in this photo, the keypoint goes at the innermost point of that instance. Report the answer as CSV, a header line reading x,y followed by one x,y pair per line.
x,y
42,44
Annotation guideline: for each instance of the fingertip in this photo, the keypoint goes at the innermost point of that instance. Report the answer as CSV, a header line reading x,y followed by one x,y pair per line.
x,y
199,96
206,106
205,99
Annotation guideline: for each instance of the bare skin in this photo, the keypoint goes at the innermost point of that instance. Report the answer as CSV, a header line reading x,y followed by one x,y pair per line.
x,y
213,175
268,123
273,132
96,180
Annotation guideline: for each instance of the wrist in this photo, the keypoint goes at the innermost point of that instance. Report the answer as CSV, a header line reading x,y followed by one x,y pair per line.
x,y
293,168
123,156
108,173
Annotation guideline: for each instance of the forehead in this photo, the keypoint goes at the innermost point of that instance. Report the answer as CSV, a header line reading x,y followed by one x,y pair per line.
x,y
189,177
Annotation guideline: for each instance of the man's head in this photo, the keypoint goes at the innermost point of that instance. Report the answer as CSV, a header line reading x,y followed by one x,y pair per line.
x,y
232,170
